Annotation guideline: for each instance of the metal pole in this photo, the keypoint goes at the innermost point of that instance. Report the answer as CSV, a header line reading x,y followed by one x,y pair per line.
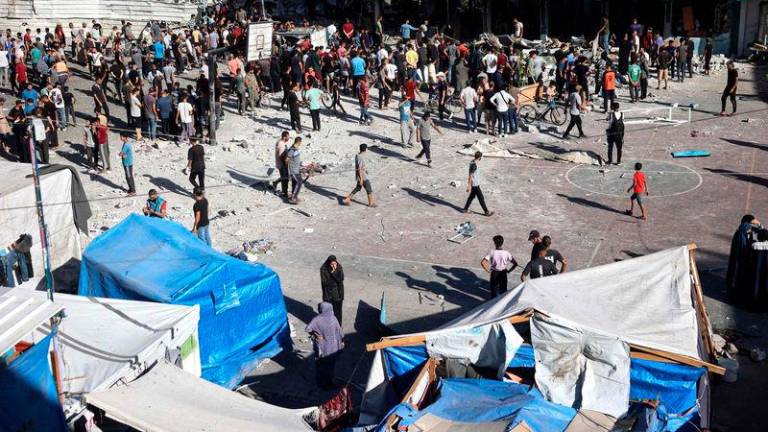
x,y
212,98
40,215
263,11
46,259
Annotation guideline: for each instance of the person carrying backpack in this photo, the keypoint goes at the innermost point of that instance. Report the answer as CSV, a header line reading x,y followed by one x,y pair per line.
x,y
615,133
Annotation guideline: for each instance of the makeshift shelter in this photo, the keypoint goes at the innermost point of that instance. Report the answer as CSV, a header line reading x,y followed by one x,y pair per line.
x,y
243,319
195,404
103,341
28,395
66,211
621,342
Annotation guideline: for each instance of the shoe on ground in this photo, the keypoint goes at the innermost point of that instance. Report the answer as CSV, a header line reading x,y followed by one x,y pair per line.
x,y
489,214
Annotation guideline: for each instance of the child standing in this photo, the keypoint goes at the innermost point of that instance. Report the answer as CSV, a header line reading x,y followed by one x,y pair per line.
x,y
639,186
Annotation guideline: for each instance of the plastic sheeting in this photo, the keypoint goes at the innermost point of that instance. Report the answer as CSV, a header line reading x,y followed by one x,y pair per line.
x,y
19,213
491,346
493,401
28,399
167,399
243,319
644,301
581,369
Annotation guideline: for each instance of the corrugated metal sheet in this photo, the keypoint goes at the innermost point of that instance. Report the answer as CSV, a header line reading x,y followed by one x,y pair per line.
x,y
21,312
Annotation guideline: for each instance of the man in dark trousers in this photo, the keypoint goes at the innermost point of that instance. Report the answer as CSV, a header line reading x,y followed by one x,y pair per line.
x,y
361,177
473,185
496,263
196,164
332,283
293,108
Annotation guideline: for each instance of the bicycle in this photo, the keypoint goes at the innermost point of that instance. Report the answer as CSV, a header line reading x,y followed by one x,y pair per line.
x,y
553,113
452,103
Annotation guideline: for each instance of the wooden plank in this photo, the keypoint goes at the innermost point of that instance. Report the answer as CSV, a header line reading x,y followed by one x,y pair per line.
x,y
679,358
705,327
420,339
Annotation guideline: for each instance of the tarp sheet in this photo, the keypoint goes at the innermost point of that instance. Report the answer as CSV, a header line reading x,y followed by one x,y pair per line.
x,y
492,401
28,399
19,213
167,399
644,301
581,369
674,384
243,319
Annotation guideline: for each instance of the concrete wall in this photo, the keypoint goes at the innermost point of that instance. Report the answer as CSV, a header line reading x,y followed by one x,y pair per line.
x,y
48,13
749,23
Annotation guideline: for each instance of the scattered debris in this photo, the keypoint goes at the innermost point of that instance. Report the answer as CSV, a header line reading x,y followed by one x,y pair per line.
x,y
455,183
301,212
465,232
309,230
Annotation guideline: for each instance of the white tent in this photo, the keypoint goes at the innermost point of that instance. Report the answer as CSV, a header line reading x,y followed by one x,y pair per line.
x,y
168,399
104,341
19,213
652,303
20,314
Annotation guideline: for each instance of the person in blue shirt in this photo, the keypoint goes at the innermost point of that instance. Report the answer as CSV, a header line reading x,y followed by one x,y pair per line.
x,y
407,125
156,205
312,96
30,93
126,153
357,65
165,108
406,29
159,53
29,106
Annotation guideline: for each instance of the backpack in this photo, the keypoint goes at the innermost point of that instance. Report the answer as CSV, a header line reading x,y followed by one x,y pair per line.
x,y
616,128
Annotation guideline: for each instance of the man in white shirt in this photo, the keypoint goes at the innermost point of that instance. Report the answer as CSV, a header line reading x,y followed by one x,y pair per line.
x,y
496,263
469,100
3,65
387,76
185,117
382,54
502,101
491,61
518,26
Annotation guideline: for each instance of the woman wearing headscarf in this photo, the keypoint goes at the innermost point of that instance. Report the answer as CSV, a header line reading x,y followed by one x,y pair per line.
x,y
332,282
325,332
737,280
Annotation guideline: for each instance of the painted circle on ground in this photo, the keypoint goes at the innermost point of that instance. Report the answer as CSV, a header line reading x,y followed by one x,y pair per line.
x,y
665,179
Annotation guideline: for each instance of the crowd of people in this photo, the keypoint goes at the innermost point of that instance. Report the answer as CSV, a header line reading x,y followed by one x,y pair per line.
x,y
159,75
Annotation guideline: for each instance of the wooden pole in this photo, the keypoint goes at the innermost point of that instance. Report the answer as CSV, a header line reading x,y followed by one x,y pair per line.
x,y
705,327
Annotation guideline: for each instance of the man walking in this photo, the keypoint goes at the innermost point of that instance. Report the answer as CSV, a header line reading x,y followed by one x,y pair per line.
x,y
609,86
575,110
615,133
196,164
730,88
473,185
126,153
407,125
312,96
293,108
496,263
361,176
638,187
200,210
293,160
424,136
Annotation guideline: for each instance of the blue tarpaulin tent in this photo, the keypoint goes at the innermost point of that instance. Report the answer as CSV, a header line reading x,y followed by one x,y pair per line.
x,y
28,398
243,319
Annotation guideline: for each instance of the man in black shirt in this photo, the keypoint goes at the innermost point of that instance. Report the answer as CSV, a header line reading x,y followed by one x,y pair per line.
x,y
539,267
19,127
293,107
730,88
196,164
99,99
552,255
200,209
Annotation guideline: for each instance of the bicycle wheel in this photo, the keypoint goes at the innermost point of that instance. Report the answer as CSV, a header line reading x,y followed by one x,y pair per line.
x,y
528,113
558,115
327,100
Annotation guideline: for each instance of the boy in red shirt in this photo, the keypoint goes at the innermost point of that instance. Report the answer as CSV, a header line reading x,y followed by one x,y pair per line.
x,y
639,185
